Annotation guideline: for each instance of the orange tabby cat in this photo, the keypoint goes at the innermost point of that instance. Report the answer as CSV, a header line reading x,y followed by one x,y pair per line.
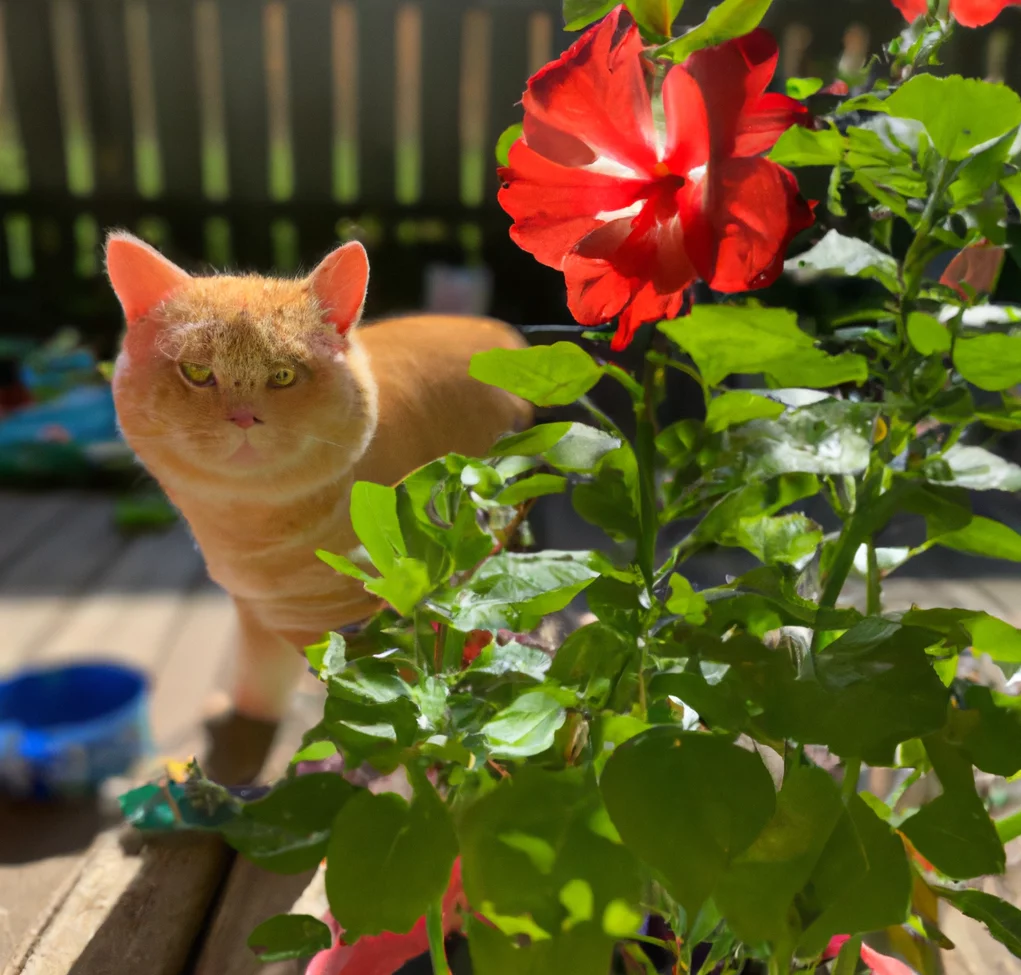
x,y
256,404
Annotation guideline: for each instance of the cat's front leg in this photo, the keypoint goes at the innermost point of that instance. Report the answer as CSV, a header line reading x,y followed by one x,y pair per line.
x,y
267,666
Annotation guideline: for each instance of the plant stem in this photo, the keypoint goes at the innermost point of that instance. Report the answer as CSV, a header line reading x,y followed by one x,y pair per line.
x,y
1009,828
604,421
434,929
645,454
852,772
874,588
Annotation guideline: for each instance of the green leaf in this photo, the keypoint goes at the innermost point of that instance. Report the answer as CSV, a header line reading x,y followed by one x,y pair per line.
x,y
757,893
728,339
508,137
533,442
968,628
581,13
738,406
729,19
799,146
983,536
387,860
1003,920
595,659
990,735
1012,185
991,361
526,727
287,831
802,88
536,486
547,375
976,469
711,798
958,113
655,16
861,883
374,519
316,752
539,856
514,591
849,256
408,582
684,601
511,658
580,449
787,539
954,831
927,334
290,936
610,499
830,437
343,565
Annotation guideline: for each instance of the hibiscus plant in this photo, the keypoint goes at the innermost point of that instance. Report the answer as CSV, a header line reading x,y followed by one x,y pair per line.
x,y
678,785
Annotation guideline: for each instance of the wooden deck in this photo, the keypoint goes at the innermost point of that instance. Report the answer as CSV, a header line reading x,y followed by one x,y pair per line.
x,y
77,897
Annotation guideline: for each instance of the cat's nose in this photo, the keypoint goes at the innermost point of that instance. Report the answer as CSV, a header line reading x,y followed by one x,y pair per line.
x,y
243,418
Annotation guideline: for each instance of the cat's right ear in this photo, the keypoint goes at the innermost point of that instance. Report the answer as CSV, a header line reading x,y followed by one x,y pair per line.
x,y
340,283
141,276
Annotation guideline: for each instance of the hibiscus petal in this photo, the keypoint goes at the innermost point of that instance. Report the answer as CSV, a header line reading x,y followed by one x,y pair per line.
x,y
978,13
733,76
752,211
911,9
648,305
596,92
687,122
764,121
555,206
884,964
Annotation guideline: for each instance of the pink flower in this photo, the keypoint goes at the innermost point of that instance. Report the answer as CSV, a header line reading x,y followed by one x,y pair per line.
x,y
878,964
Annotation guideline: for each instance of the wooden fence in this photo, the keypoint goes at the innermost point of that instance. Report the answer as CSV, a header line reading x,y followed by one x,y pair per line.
x,y
255,133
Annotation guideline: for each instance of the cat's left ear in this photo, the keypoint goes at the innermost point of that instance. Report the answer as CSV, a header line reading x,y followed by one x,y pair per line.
x,y
340,283
141,276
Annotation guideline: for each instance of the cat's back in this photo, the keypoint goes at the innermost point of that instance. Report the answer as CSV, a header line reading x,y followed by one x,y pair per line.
x,y
428,404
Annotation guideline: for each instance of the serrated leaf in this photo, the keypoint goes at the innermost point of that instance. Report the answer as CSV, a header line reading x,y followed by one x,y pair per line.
x,y
990,735
729,19
525,728
786,539
964,628
1002,920
849,256
377,838
290,936
684,601
547,375
958,113
648,785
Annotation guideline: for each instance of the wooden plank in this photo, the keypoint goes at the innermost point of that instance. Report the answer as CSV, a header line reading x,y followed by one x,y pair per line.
x,y
129,612
33,75
310,81
108,84
376,87
440,99
512,32
38,588
27,519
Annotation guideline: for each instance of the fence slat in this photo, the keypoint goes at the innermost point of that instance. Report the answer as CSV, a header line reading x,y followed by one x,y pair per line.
x,y
308,27
441,72
33,76
175,76
509,74
109,96
376,87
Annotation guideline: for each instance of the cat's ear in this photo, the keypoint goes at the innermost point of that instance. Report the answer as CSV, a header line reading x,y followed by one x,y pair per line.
x,y
340,283
141,276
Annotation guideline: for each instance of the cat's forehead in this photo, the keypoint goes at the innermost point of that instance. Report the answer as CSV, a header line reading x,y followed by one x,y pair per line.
x,y
244,321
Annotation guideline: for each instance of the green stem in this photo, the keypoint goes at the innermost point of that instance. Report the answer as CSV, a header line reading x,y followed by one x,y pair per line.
x,y
874,588
852,772
915,259
645,453
603,420
690,371
434,929
1009,828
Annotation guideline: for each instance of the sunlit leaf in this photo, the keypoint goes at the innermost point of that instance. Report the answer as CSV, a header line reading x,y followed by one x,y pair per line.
x,y
848,256
526,727
800,146
547,375
991,361
581,13
289,936
1003,920
729,19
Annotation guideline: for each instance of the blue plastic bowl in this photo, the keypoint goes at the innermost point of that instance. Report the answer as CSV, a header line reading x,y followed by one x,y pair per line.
x,y
65,730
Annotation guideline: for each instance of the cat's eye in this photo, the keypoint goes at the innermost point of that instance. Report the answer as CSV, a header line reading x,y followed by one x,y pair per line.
x,y
284,376
198,375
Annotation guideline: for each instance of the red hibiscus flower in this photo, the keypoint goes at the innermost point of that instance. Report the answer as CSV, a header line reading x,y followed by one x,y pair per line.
x,y
384,954
878,964
633,213
968,13
978,267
